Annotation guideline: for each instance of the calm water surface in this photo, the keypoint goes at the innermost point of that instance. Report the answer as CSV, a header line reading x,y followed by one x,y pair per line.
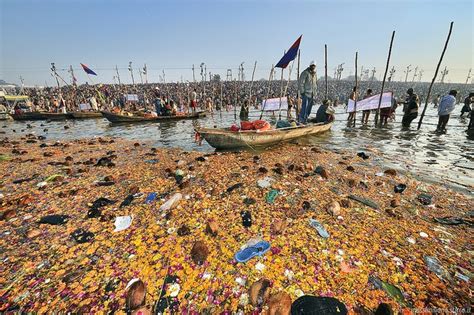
x,y
443,158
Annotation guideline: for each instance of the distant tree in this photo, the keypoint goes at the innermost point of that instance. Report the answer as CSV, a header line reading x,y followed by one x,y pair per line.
x,y
216,78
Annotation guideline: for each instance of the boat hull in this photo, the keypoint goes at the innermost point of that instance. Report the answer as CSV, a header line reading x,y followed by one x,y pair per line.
x,y
86,115
224,139
116,118
41,116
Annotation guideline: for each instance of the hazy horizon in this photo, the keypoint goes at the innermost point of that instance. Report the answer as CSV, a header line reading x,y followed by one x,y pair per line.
x,y
172,36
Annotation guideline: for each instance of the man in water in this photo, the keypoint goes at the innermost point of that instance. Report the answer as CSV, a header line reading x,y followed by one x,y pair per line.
x,y
352,97
436,100
307,88
446,107
467,104
410,108
366,113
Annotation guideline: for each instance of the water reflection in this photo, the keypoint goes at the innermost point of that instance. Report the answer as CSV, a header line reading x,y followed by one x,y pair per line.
x,y
422,151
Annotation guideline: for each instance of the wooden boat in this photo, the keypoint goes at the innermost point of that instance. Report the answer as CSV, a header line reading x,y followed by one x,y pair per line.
x,y
223,138
117,118
41,116
86,115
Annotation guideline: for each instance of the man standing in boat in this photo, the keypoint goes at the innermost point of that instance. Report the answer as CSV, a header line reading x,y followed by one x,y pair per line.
x,y
307,88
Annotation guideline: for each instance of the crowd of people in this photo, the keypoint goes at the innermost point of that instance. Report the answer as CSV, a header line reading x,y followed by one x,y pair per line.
x,y
187,97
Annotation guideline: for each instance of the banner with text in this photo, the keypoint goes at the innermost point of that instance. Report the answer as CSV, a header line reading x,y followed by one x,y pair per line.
x,y
273,104
132,97
371,102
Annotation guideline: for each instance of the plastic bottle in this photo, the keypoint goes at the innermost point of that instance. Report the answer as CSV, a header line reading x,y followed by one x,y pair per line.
x,y
171,203
434,265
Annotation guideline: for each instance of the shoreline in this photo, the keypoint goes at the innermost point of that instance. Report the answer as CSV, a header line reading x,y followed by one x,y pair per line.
x,y
63,275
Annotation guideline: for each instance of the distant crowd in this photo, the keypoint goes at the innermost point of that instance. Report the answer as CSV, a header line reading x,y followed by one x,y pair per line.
x,y
221,95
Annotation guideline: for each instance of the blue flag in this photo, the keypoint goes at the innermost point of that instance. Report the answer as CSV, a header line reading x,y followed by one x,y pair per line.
x,y
87,69
290,55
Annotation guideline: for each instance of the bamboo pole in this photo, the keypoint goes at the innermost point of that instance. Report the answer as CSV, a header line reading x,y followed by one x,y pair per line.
x,y
297,111
326,70
288,82
281,92
356,89
268,92
434,77
235,102
251,83
377,114
222,101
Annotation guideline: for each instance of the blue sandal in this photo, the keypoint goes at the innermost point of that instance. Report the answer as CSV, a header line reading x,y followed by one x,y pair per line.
x,y
248,253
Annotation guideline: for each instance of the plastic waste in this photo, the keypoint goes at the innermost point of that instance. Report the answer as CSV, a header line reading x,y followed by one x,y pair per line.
x,y
171,203
434,265
54,219
122,223
461,276
150,198
271,196
152,161
81,236
390,289
362,155
425,199
264,183
234,187
400,188
127,201
319,227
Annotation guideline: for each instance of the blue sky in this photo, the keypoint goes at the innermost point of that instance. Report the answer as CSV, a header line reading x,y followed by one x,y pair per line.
x,y
173,35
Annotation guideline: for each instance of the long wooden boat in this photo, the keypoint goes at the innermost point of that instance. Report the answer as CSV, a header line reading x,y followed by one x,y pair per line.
x,y
117,118
86,115
226,139
41,116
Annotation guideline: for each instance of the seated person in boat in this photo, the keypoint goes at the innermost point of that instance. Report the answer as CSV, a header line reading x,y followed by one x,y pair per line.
x,y
167,109
325,113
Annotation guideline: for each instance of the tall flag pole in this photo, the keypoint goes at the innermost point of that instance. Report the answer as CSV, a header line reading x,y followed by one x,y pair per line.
x,y
288,56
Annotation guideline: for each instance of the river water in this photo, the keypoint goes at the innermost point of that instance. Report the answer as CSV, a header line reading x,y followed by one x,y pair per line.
x,y
447,159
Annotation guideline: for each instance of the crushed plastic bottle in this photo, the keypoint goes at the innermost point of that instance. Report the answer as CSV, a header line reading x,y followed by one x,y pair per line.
x,y
171,203
434,265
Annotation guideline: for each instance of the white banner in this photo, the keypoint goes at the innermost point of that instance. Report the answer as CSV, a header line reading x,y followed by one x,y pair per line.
x,y
273,104
84,106
371,102
132,97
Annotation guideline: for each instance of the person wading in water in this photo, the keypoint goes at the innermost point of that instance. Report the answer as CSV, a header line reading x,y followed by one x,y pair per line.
x,y
353,97
366,113
410,108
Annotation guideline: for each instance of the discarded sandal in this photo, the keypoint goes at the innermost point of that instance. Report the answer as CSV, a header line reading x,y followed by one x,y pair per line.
x,y
248,253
